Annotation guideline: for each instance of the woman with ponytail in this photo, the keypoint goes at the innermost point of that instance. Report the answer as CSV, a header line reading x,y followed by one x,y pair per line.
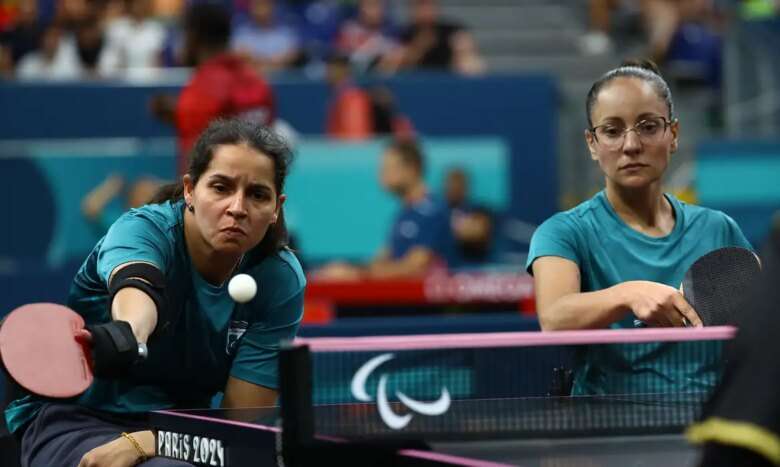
x,y
617,259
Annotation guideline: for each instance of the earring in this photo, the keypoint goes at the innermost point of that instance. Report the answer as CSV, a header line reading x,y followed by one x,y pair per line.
x,y
191,208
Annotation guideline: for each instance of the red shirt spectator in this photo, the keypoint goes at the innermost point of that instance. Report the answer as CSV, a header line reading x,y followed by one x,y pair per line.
x,y
350,115
355,113
223,86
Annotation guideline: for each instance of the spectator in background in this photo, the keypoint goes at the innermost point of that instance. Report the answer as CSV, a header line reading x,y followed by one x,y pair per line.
x,y
473,234
597,40
55,60
23,37
367,39
89,43
388,120
133,40
168,9
420,237
355,113
99,206
662,20
71,13
264,40
472,226
82,28
224,85
456,191
432,43
349,111
114,9
72,43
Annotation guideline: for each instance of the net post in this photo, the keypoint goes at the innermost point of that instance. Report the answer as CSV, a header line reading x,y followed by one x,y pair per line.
x,y
295,388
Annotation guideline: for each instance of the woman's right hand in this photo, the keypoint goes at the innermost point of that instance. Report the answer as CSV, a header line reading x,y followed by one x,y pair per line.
x,y
120,452
657,304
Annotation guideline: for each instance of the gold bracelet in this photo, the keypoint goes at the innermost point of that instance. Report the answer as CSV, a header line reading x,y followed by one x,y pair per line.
x,y
137,446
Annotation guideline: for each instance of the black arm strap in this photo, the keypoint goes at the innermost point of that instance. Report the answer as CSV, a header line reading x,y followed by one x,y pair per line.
x,y
114,349
148,279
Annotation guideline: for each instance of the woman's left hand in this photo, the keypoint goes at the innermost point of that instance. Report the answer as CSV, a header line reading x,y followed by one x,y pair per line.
x,y
120,452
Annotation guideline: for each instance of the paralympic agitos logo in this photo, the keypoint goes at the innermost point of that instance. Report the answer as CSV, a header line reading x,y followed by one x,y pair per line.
x,y
393,420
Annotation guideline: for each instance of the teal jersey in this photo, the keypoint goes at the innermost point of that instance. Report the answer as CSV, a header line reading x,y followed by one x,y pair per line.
x,y
211,338
608,252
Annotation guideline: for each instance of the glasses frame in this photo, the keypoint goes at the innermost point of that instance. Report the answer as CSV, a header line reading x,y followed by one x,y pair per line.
x,y
634,127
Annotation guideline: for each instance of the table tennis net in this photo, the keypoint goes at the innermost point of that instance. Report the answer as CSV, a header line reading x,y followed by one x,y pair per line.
x,y
496,385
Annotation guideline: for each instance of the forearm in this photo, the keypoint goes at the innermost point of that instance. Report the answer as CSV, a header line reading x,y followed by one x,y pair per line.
x,y
138,309
584,310
414,263
284,59
389,269
239,393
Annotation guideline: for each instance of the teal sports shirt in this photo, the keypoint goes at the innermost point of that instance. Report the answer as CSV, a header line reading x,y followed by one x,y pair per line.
x,y
608,252
212,338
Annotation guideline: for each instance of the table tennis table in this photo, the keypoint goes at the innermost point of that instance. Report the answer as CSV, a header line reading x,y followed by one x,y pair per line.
x,y
252,437
438,418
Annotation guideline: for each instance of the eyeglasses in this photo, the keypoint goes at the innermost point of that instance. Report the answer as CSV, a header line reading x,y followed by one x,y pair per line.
x,y
649,130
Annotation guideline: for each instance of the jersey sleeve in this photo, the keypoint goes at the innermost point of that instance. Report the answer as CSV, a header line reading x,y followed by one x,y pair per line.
x,y
734,234
133,238
557,236
257,355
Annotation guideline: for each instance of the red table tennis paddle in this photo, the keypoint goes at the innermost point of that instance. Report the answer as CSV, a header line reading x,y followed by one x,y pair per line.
x,y
44,349
718,284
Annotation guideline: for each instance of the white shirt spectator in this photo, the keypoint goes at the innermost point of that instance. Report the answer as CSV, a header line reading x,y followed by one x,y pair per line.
x,y
131,44
62,64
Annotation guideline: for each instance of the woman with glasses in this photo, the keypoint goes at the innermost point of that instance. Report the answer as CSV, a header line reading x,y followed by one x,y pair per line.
x,y
617,259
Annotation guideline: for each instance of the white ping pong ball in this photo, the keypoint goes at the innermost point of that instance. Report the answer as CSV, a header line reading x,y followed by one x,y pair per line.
x,y
242,288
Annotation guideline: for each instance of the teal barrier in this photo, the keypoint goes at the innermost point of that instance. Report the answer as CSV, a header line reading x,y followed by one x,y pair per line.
x,y
337,208
741,178
522,109
335,205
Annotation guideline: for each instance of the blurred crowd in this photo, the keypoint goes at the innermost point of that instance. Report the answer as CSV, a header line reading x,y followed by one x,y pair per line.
x,y
78,39
685,36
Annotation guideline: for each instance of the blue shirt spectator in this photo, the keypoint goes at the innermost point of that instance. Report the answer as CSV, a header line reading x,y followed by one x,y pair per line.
x,y
264,40
420,239
424,223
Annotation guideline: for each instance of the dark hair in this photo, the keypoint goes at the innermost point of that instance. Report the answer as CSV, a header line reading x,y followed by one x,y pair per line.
x,y
409,152
236,131
645,70
209,23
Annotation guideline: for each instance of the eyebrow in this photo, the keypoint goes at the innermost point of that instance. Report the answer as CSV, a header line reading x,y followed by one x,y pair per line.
x,y
639,118
226,179
646,115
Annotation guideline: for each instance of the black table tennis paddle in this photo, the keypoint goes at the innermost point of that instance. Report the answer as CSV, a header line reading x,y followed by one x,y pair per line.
x,y
718,284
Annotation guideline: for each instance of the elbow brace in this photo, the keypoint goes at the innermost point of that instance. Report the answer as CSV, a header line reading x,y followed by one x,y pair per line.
x,y
148,279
